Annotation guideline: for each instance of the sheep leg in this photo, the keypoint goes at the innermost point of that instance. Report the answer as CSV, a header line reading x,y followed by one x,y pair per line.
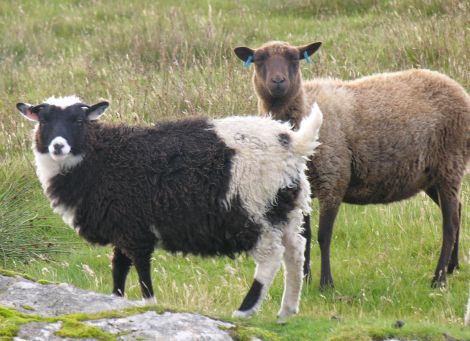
x,y
293,260
121,266
267,255
450,215
454,258
433,194
325,230
307,234
142,264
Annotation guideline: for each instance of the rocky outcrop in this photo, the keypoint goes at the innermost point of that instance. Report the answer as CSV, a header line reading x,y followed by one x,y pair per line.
x,y
55,300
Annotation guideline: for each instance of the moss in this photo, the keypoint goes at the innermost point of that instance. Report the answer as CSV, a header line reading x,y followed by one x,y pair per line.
x,y
44,282
77,329
112,313
8,329
10,313
27,307
9,273
11,320
246,333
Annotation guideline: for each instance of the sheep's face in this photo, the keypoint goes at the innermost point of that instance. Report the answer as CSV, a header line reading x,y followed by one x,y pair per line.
x,y
61,129
277,73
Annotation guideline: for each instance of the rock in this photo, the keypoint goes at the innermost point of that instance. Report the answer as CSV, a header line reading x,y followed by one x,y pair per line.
x,y
57,299
54,299
166,326
39,331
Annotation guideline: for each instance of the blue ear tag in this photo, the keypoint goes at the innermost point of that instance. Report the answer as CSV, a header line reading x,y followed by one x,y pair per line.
x,y
307,57
247,62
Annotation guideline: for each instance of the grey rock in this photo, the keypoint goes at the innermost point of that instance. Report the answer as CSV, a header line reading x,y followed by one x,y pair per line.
x,y
57,299
40,331
166,326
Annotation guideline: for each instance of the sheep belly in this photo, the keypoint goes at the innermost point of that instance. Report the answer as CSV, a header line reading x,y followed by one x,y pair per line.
x,y
220,232
387,190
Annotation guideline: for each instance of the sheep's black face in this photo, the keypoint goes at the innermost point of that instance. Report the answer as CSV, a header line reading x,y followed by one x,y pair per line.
x,y
61,130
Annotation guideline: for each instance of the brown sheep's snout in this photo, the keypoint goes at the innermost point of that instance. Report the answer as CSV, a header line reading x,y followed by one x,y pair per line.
x,y
277,76
278,86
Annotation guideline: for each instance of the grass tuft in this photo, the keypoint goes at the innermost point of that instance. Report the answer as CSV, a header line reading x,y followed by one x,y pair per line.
x,y
24,234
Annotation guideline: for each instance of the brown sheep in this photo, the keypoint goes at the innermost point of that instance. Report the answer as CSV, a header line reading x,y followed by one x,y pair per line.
x,y
384,138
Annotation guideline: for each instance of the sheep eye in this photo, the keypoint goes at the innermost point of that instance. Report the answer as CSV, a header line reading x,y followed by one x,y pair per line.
x,y
260,58
293,58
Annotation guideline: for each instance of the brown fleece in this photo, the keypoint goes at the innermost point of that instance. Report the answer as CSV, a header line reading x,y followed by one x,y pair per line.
x,y
384,138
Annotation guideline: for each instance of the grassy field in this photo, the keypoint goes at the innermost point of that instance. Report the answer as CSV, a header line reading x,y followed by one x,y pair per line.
x,y
159,60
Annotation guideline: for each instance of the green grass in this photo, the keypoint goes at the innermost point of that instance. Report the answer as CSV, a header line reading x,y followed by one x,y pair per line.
x,y
159,60
24,232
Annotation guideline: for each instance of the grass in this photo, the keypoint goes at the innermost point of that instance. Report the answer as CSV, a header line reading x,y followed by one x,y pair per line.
x,y
162,60
24,234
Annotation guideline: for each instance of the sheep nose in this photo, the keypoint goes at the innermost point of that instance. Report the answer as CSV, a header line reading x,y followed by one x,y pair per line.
x,y
278,79
58,148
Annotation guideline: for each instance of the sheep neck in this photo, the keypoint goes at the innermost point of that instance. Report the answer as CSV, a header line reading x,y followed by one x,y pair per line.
x,y
289,108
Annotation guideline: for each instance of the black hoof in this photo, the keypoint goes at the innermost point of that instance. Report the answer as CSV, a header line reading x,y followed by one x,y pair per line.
x,y
438,283
326,285
452,267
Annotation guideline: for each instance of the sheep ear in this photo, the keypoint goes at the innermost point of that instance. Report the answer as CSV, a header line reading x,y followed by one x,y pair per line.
x,y
244,53
95,111
306,51
27,110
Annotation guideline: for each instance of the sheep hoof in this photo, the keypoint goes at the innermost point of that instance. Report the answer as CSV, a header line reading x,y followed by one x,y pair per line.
x,y
326,286
243,314
438,283
285,313
149,301
452,267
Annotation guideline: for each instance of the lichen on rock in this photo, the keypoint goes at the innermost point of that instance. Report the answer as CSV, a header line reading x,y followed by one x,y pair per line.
x,y
33,311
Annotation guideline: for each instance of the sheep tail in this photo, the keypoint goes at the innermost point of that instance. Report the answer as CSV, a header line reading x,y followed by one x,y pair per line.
x,y
306,138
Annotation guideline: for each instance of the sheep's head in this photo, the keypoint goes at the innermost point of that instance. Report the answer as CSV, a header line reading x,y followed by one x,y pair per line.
x,y
277,74
62,125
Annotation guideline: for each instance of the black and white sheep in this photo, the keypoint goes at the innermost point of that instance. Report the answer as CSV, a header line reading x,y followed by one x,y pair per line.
x,y
385,138
201,186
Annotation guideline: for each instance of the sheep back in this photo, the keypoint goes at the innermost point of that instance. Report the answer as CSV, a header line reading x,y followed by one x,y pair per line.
x,y
428,113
